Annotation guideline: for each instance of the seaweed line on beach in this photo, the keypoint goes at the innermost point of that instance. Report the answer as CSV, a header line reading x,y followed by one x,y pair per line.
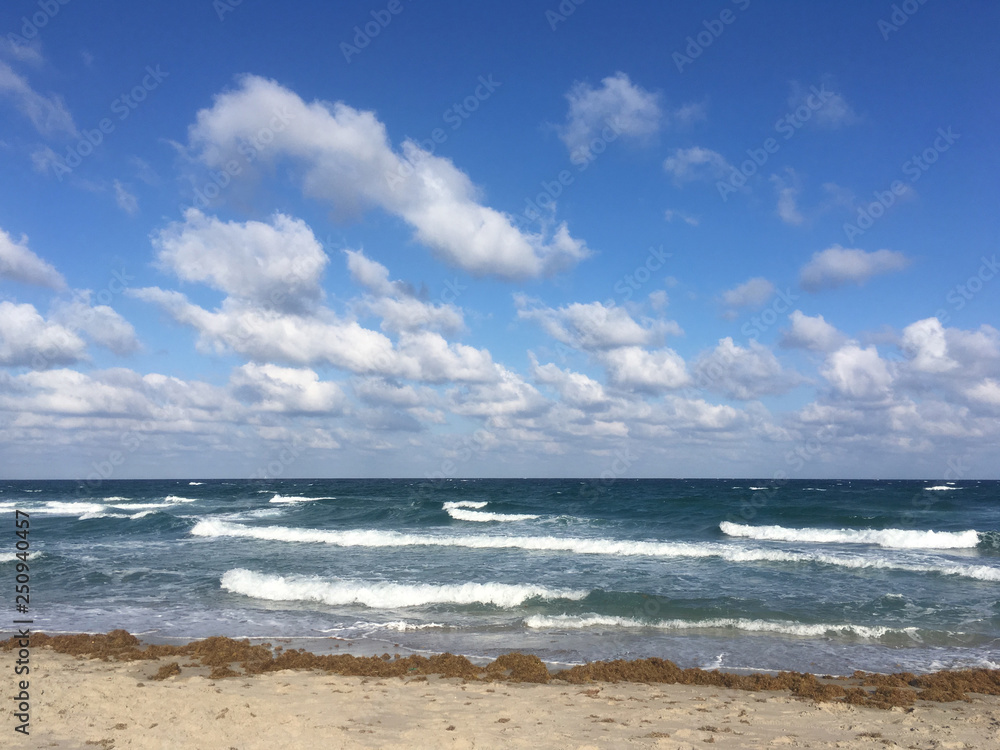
x,y
220,653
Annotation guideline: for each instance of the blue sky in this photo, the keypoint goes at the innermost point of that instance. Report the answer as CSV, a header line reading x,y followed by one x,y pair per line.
x,y
529,239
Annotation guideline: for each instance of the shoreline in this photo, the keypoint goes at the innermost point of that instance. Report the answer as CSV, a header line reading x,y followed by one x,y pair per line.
x,y
113,691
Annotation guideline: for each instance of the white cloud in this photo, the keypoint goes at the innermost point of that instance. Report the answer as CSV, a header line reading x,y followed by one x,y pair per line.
x,y
508,396
833,111
574,388
671,214
787,189
837,265
346,159
696,163
751,293
28,340
18,263
126,201
394,301
986,392
594,327
47,113
618,104
742,373
812,333
858,373
634,368
287,390
278,264
924,342
102,324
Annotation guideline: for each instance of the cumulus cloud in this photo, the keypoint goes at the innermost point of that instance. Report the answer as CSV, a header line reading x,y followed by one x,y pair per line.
x,y
695,164
345,158
28,340
508,396
751,293
858,373
626,108
48,114
288,390
101,324
394,301
278,264
574,388
838,265
18,263
635,368
743,373
592,326
925,343
812,333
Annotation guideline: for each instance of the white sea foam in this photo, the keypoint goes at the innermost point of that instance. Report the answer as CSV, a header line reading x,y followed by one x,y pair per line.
x,y
731,553
573,622
458,509
12,556
465,504
175,499
297,499
940,488
400,626
60,508
384,595
758,488
194,484
892,538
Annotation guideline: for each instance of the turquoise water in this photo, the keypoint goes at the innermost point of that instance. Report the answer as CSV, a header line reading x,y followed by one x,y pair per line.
x,y
821,576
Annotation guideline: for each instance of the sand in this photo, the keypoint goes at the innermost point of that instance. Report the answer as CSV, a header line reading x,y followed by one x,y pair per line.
x,y
85,702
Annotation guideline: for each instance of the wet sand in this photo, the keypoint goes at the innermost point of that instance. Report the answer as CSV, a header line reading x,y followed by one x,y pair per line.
x,y
112,692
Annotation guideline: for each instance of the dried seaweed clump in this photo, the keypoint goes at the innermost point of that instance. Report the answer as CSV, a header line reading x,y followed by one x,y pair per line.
x,y
517,667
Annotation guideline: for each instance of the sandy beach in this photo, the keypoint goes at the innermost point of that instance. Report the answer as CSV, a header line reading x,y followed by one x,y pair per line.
x,y
82,701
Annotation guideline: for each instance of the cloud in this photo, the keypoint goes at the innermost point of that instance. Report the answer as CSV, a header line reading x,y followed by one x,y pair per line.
x,y
126,201
696,164
48,114
18,263
671,214
634,368
278,264
858,373
812,333
925,343
345,158
751,293
574,388
837,266
100,323
594,327
287,390
28,340
788,189
626,108
508,396
742,373
394,301
833,113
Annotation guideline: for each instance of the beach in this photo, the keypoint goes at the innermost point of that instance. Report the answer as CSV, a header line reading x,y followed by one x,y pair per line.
x,y
80,700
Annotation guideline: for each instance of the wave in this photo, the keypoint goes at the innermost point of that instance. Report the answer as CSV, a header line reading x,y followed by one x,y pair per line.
x,y
6,557
376,539
175,499
457,509
194,484
941,488
572,622
892,538
294,499
384,595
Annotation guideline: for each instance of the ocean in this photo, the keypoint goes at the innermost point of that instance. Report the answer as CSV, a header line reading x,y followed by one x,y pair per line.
x,y
813,575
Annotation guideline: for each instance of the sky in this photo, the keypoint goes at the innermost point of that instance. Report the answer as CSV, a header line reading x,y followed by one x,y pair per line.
x,y
522,239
